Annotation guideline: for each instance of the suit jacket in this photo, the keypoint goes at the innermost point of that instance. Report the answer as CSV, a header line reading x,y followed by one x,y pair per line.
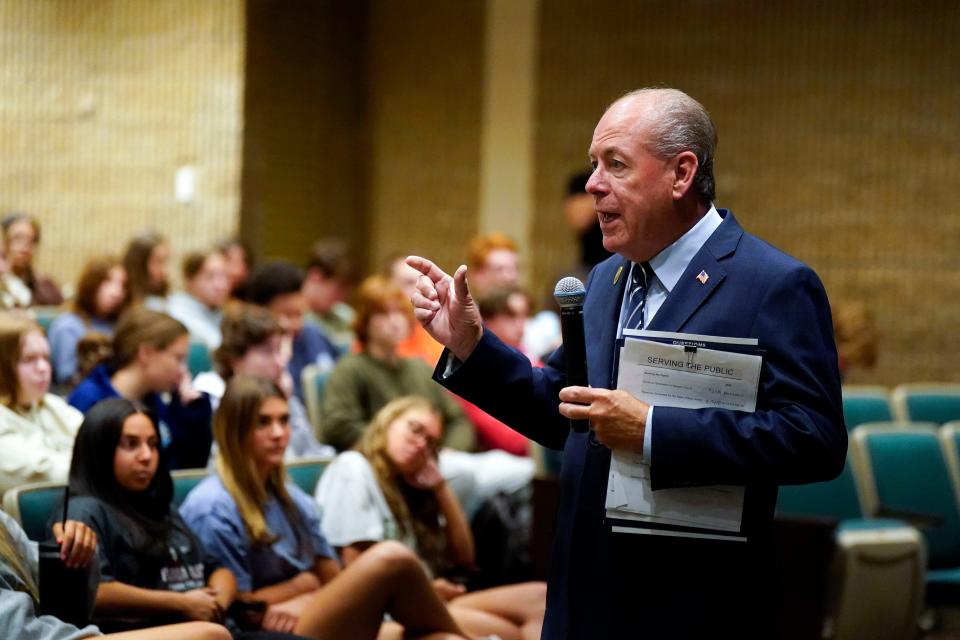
x,y
605,585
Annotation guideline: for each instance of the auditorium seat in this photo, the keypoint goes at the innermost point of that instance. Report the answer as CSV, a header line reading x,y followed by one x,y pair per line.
x,y
184,480
32,505
874,572
198,358
904,471
950,441
835,499
939,403
45,316
306,472
313,381
866,404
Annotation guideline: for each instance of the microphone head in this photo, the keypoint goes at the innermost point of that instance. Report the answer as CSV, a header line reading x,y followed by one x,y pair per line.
x,y
569,292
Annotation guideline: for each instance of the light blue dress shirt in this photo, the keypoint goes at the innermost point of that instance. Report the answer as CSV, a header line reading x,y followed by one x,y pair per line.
x,y
668,266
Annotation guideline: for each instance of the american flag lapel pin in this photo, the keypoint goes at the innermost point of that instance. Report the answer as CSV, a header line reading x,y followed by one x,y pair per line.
x,y
703,277
616,278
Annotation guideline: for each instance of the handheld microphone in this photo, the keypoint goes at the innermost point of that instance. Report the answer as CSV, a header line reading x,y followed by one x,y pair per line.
x,y
569,294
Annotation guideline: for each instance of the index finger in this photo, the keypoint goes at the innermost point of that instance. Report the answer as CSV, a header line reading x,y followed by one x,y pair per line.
x,y
427,268
69,538
582,395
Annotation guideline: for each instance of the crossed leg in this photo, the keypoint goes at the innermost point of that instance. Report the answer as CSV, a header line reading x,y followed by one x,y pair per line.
x,y
388,578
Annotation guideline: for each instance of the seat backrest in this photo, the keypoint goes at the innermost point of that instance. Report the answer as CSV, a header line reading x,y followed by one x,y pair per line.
x,y
306,472
184,480
835,498
866,404
950,441
45,315
198,358
905,469
313,381
939,403
32,505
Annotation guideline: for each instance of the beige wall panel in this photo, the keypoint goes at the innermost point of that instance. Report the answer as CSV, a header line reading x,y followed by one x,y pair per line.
x,y
839,140
102,102
425,82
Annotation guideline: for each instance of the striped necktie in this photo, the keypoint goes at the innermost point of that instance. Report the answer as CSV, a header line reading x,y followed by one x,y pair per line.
x,y
637,296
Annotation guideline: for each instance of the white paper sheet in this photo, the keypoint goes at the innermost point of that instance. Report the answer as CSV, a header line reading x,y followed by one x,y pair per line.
x,y
686,371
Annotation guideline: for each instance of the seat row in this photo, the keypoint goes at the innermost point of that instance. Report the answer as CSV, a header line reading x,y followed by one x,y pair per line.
x,y
897,509
33,504
914,402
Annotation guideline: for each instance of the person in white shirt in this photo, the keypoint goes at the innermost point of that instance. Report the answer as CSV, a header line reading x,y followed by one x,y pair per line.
x,y
207,289
391,488
37,428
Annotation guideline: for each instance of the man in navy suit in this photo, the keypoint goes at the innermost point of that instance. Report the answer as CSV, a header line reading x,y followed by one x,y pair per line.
x,y
653,188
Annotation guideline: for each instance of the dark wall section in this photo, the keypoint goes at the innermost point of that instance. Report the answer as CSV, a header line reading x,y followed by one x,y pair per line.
x,y
304,157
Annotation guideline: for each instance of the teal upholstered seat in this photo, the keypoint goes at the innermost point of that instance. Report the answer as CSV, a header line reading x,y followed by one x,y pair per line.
x,y
314,382
835,498
866,404
45,316
939,403
32,505
306,472
905,470
184,480
198,358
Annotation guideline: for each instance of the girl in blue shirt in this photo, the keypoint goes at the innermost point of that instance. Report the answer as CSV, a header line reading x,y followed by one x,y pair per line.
x,y
147,363
267,532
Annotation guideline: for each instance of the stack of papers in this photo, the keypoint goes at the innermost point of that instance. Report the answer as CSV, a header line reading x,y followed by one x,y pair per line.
x,y
687,371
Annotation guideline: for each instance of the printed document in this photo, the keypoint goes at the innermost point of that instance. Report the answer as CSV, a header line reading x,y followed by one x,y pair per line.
x,y
686,371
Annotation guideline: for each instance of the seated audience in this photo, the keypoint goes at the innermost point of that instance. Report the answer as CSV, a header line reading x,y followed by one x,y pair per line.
x,y
239,261
278,286
329,278
362,383
494,263
147,261
504,311
267,532
153,567
391,488
419,344
26,287
254,344
207,289
19,596
101,291
147,360
8,301
37,428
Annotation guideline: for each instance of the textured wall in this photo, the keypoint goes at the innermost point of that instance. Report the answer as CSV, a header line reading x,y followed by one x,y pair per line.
x,y
102,101
304,154
839,140
424,99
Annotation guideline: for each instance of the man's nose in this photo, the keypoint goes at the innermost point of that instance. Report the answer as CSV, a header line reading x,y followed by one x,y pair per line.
x,y
596,185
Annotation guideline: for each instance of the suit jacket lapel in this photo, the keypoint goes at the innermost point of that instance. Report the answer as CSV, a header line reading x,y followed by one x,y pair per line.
x,y
690,293
604,325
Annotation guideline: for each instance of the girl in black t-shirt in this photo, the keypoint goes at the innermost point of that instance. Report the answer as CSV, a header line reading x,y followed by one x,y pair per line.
x,y
152,564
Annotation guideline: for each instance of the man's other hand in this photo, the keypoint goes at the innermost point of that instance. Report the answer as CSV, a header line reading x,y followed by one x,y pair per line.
x,y
443,305
617,418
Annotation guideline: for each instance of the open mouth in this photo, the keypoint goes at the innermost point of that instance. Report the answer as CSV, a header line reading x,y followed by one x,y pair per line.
x,y
607,217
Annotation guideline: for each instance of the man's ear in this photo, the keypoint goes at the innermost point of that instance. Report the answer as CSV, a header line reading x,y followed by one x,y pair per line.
x,y
686,170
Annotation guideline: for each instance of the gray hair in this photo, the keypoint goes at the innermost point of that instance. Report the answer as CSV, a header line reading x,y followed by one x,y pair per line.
x,y
679,124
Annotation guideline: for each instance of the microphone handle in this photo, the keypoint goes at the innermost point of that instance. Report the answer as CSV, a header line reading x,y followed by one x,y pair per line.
x,y
575,353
